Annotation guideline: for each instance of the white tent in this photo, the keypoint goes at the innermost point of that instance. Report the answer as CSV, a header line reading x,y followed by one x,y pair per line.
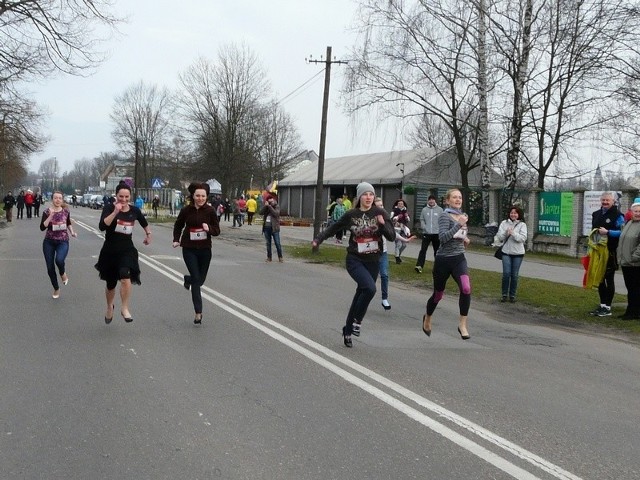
x,y
214,186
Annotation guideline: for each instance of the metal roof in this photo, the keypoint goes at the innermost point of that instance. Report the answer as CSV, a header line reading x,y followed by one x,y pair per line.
x,y
421,167
375,168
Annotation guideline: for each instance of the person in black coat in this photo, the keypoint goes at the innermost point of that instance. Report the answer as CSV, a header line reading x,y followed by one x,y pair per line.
x,y
20,204
9,202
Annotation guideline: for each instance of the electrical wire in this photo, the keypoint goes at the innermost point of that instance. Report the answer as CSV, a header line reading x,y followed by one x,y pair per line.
x,y
281,101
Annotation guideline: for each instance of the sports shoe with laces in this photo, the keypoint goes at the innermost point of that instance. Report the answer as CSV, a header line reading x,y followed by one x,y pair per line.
x,y
386,305
604,312
418,269
596,311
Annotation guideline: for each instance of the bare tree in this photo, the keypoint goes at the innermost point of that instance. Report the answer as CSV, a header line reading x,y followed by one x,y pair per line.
x,y
626,137
20,135
577,55
39,37
278,145
140,116
221,104
417,60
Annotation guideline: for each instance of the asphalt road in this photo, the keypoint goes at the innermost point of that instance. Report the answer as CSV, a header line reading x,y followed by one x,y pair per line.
x,y
266,390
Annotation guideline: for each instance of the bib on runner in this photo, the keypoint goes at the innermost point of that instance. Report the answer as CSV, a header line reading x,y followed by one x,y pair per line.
x,y
197,234
122,226
367,245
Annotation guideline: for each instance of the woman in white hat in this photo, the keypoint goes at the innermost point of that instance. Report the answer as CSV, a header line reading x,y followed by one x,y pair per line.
x,y
367,225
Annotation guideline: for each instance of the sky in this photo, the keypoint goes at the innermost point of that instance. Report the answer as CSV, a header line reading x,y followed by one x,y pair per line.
x,y
161,39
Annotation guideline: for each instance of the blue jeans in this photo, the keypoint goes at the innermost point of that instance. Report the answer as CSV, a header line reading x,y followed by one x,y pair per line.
x,y
55,253
384,275
510,270
197,261
268,235
365,274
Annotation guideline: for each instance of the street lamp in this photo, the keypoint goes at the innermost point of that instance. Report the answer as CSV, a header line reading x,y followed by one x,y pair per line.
x,y
400,166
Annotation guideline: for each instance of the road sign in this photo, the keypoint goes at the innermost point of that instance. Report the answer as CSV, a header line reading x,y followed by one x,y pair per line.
x,y
156,183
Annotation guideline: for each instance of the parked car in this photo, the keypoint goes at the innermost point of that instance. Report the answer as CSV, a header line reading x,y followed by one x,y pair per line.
x,y
96,202
85,200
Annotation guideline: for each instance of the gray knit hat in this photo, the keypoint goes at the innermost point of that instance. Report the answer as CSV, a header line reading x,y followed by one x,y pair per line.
x,y
361,189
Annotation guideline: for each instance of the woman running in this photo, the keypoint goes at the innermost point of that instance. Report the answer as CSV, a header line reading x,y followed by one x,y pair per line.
x,y
196,224
56,220
118,257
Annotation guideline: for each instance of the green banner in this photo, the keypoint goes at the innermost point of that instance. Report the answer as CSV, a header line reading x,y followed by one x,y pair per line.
x,y
556,213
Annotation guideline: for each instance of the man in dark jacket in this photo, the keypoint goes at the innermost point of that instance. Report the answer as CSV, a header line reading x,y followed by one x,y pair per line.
x,y
9,201
608,220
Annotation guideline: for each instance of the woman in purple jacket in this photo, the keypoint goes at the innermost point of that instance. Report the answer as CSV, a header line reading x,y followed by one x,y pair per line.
x,y
56,221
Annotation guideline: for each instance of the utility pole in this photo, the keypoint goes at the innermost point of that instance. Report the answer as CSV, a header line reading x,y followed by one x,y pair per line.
x,y
317,218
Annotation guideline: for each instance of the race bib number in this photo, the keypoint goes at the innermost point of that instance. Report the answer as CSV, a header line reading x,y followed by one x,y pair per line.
x,y
367,245
197,234
58,227
122,226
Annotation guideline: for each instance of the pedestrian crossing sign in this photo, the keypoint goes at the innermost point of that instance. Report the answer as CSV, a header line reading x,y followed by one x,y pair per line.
x,y
156,183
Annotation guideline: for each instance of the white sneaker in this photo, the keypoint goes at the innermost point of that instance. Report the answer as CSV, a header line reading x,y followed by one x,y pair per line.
x,y
386,305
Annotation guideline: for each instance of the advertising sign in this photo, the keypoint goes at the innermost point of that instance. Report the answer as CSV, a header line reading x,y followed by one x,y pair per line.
x,y
556,213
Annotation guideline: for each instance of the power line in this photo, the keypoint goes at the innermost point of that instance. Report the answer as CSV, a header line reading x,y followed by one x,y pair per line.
x,y
301,86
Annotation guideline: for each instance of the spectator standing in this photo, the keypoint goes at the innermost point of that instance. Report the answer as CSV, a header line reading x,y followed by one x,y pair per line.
x,y
252,208
28,203
608,221
629,215
338,211
37,201
629,259
227,209
242,205
512,234
271,225
237,219
429,224
9,202
330,208
20,204
154,205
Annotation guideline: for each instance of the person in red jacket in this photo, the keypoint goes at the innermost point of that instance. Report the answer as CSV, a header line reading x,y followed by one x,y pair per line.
x,y
28,202
197,222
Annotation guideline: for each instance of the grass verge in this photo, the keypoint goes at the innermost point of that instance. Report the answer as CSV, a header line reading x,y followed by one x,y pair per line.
x,y
558,303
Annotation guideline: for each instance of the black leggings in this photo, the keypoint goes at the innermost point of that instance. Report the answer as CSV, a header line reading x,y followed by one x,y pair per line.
x,y
197,261
443,268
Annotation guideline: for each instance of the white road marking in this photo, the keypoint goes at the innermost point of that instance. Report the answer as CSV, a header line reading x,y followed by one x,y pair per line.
x,y
237,309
